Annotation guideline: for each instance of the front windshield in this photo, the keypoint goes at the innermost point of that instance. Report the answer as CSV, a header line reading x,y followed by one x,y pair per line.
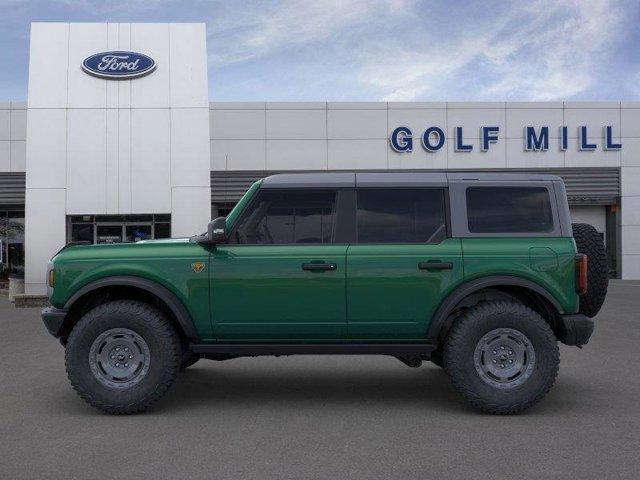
x,y
239,207
234,213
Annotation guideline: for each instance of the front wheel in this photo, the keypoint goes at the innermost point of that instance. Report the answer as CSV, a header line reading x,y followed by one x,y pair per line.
x,y
502,357
122,356
188,359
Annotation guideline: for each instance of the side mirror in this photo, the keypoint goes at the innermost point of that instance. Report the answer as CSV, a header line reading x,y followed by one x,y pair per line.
x,y
217,230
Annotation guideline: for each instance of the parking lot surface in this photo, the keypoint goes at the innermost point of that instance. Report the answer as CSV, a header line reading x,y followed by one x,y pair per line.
x,y
324,417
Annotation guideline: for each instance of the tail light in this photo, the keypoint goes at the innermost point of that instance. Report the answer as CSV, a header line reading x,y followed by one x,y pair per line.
x,y
581,273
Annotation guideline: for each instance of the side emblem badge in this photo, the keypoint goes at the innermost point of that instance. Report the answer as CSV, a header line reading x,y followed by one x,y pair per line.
x,y
197,266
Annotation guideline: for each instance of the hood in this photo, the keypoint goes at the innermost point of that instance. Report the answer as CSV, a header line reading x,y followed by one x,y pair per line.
x,y
106,250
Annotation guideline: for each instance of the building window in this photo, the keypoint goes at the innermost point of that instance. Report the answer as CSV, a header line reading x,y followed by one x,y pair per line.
x,y
221,209
11,243
117,228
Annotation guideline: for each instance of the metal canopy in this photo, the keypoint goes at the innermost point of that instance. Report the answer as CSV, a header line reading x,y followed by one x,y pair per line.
x,y
12,189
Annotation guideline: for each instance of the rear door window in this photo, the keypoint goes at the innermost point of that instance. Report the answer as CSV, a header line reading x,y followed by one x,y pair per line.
x,y
401,215
509,210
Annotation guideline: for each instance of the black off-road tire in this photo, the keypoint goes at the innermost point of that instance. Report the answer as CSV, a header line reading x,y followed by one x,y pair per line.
x,y
469,331
158,335
436,358
589,242
188,358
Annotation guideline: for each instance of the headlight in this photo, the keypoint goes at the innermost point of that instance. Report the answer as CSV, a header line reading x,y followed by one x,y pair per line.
x,y
51,279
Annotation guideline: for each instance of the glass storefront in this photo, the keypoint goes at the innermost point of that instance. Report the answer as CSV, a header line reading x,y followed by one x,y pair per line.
x,y
221,209
117,228
11,243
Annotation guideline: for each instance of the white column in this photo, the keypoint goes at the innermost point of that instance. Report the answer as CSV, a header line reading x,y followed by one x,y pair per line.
x,y
97,146
630,178
44,234
190,157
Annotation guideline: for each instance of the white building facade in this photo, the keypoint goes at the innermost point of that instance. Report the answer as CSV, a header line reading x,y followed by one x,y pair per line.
x,y
106,160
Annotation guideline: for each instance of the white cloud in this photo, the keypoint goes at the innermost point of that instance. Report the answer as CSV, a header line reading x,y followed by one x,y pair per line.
x,y
407,50
260,29
400,49
104,7
569,50
414,74
542,51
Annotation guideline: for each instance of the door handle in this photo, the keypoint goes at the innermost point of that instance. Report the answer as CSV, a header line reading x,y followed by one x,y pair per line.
x,y
435,265
319,267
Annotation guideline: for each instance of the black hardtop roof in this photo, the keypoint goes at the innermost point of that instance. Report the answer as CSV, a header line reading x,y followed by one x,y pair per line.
x,y
396,179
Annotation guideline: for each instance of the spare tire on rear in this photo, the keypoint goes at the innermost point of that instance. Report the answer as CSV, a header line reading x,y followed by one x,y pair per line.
x,y
589,242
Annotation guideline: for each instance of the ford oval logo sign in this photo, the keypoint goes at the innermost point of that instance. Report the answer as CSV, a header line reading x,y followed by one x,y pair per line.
x,y
118,65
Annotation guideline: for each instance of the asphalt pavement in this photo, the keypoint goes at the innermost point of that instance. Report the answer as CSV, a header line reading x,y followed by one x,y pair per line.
x,y
324,417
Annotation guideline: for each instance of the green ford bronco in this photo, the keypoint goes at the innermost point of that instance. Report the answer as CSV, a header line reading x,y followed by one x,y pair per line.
x,y
480,273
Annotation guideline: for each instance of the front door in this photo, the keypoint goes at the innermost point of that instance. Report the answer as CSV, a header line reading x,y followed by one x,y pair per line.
x,y
402,265
281,276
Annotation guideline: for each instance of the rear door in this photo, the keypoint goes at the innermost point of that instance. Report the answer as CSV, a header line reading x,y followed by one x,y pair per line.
x,y
402,264
282,276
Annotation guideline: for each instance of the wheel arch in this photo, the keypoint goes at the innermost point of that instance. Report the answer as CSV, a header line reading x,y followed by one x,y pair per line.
x,y
145,288
511,285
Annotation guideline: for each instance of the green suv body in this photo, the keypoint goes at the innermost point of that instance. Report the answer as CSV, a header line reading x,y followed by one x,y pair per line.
x,y
420,266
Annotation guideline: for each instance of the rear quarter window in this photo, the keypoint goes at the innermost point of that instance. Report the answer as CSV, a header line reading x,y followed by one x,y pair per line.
x,y
509,210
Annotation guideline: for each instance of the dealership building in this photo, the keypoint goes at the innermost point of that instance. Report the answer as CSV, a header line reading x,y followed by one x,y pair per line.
x,y
118,141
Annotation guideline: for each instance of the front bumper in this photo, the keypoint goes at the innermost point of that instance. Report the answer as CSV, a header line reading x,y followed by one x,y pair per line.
x,y
53,319
575,329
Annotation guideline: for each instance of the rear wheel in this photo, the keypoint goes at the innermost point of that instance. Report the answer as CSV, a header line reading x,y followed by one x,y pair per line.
x,y
502,357
589,242
122,356
436,358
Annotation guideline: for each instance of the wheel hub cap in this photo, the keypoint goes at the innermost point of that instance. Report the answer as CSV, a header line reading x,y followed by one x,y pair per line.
x,y
504,358
119,358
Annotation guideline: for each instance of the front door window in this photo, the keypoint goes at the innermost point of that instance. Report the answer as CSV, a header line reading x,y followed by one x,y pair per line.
x,y
288,217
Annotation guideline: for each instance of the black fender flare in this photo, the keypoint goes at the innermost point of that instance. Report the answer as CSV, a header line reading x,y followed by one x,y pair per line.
x,y
167,296
462,291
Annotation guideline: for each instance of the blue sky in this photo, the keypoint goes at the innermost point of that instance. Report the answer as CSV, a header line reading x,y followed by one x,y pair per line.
x,y
363,50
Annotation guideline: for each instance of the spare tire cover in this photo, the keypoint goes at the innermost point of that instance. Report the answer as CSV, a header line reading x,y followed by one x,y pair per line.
x,y
589,242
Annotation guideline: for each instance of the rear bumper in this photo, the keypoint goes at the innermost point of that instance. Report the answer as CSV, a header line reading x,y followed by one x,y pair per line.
x,y
53,319
575,329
